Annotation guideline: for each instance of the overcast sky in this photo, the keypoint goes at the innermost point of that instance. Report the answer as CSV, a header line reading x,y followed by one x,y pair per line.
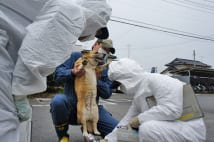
x,y
150,47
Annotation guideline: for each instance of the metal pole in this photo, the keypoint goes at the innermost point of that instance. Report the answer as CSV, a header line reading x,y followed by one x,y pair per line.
x,y
194,57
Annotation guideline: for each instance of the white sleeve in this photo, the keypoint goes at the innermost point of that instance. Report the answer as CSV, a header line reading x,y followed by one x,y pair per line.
x,y
132,112
48,43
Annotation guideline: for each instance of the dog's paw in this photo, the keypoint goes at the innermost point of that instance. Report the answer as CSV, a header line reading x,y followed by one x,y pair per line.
x,y
97,133
85,134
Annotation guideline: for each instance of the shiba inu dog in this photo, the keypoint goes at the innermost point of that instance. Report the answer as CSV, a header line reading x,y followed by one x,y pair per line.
x,y
86,91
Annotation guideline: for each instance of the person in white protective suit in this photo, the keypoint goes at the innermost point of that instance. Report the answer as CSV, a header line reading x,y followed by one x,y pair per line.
x,y
158,123
34,39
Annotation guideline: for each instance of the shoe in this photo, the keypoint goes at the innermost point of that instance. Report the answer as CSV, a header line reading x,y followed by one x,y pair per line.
x,y
64,139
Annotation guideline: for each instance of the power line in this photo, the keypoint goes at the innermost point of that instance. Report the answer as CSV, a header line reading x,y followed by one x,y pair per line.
x,y
163,30
135,21
196,4
189,7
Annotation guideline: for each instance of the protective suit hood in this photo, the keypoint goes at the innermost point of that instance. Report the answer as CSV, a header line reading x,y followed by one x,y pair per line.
x,y
49,40
57,27
97,13
126,71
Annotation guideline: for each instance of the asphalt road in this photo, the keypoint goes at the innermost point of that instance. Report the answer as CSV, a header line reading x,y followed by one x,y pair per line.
x,y
43,130
207,104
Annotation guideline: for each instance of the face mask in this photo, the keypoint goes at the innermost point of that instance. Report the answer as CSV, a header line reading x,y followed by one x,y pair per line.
x,y
101,50
99,57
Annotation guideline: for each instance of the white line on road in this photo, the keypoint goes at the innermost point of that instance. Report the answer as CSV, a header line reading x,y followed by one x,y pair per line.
x,y
40,105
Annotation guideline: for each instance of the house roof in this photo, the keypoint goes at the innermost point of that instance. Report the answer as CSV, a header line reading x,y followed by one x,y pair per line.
x,y
179,61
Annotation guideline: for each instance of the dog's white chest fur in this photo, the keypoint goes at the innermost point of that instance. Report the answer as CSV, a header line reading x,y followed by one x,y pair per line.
x,y
91,77
90,100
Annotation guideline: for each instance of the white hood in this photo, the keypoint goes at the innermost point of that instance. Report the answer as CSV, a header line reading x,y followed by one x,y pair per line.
x,y
127,72
97,13
50,39
58,27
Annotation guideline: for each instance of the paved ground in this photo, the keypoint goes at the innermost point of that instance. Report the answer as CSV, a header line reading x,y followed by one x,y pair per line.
x,y
43,130
207,105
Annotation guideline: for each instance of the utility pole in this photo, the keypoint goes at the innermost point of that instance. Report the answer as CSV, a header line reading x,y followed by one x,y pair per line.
x,y
194,57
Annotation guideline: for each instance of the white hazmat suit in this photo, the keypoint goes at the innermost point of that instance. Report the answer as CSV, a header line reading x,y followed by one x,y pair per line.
x,y
158,123
28,55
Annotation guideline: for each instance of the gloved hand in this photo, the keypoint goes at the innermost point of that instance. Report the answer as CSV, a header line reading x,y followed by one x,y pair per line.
x,y
134,123
24,110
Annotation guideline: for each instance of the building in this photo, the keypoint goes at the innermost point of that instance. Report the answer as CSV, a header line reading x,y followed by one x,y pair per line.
x,y
196,73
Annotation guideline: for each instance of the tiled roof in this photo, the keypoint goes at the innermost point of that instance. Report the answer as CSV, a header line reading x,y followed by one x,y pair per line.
x,y
179,61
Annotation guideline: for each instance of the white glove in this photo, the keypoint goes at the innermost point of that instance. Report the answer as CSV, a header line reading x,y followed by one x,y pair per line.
x,y
23,107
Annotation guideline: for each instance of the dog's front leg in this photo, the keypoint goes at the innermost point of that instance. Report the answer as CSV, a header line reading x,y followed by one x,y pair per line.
x,y
84,125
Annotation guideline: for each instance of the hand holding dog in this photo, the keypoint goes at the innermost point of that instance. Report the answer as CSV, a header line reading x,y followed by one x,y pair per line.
x,y
77,70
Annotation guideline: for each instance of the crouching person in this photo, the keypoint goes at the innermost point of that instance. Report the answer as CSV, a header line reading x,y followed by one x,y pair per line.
x,y
64,106
159,123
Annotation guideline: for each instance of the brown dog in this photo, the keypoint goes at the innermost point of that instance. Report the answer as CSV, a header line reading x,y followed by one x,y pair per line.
x,y
86,91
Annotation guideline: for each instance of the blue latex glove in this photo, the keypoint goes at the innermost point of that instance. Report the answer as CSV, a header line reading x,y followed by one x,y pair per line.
x,y
23,107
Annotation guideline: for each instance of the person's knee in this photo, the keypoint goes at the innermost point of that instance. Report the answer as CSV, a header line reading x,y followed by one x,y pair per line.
x,y
145,128
149,131
106,121
59,109
58,101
